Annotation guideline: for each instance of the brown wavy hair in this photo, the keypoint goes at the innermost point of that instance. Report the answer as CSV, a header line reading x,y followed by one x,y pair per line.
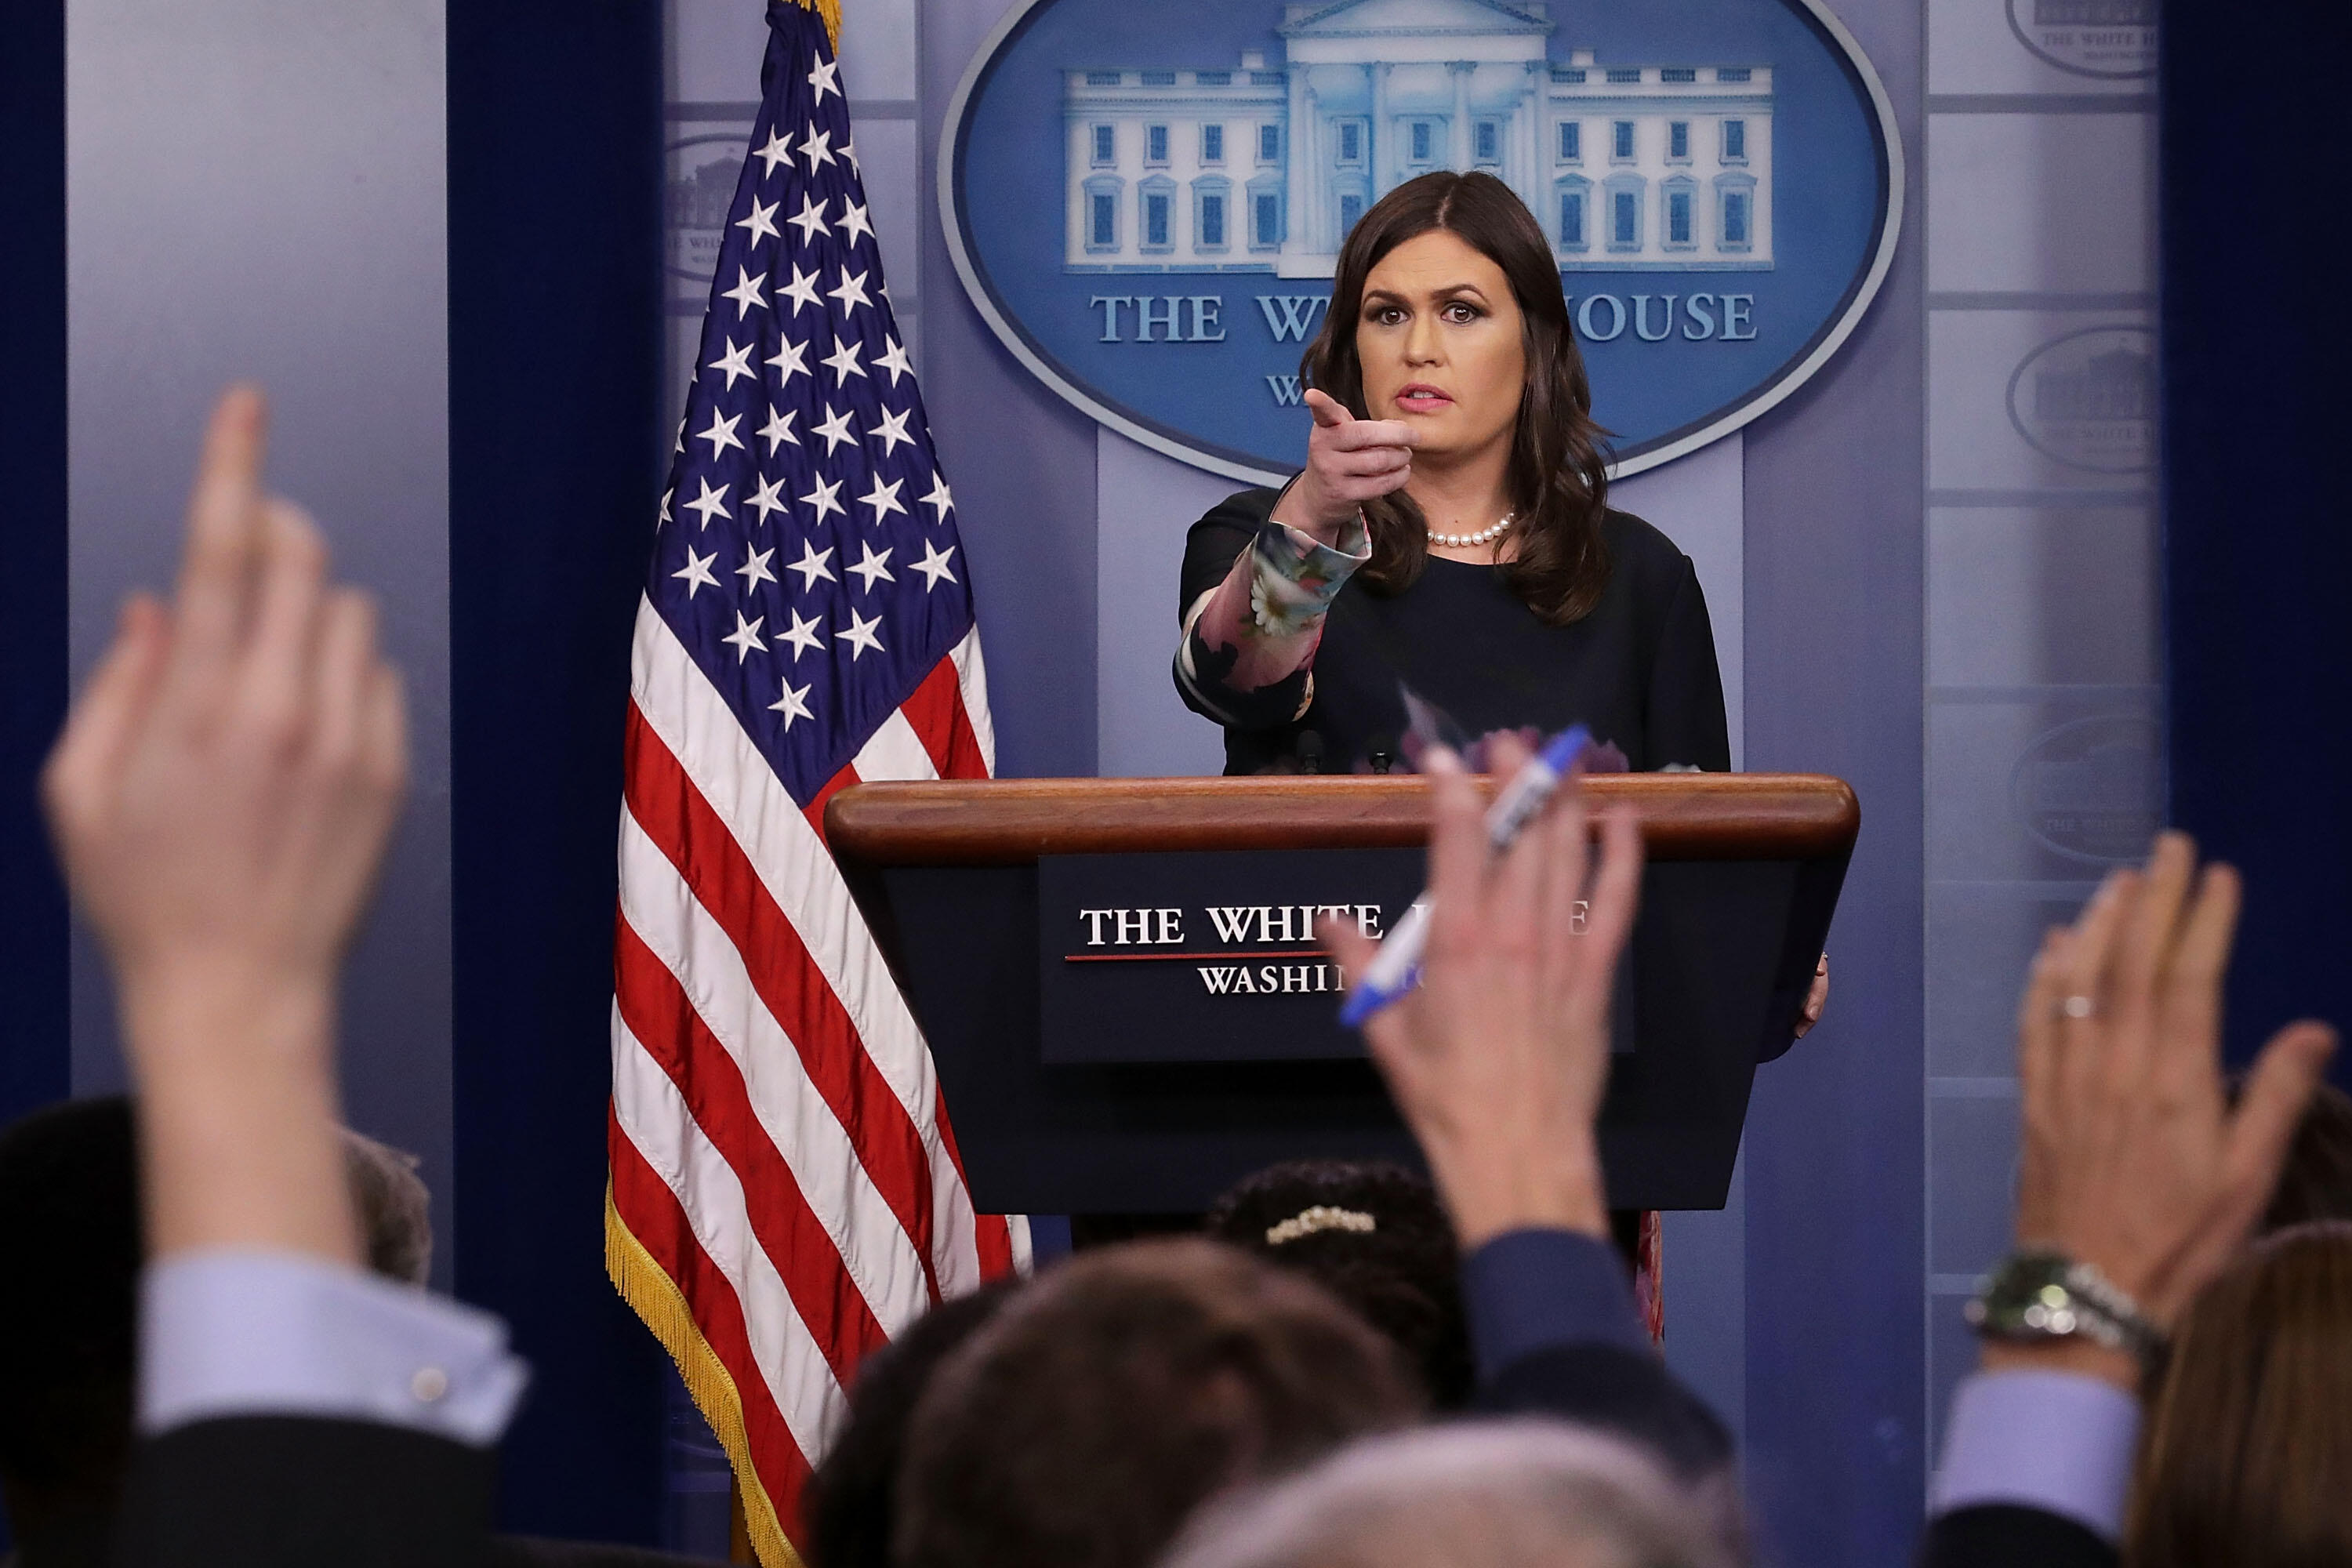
x,y
2249,1438
1558,481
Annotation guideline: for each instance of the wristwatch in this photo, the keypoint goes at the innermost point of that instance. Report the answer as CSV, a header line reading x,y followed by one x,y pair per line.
x,y
2043,1295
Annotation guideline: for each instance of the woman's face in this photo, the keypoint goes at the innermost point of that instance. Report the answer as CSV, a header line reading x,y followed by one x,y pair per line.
x,y
1440,341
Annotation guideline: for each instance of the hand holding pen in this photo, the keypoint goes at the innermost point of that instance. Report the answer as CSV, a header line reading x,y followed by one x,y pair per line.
x,y
1395,968
1498,1058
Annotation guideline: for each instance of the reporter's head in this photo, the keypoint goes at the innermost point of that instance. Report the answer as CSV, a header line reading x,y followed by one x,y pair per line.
x,y
1084,1424
1520,1494
69,1229
2248,1448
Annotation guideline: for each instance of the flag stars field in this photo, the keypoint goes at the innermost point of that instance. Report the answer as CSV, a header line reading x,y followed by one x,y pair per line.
x,y
883,499
802,633
760,221
810,219
850,291
811,565
697,571
746,293
734,364
941,500
791,359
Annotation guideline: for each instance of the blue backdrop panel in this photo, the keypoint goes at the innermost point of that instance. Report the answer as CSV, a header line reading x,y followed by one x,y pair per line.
x,y
1836,1341
554,273
2257,558
35,1052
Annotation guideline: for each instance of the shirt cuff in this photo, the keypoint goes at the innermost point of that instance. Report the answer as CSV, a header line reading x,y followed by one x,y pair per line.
x,y
270,1333
1293,576
2053,1440
1528,1290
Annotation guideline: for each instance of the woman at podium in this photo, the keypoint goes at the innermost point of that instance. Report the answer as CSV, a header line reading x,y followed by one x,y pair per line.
x,y
1450,535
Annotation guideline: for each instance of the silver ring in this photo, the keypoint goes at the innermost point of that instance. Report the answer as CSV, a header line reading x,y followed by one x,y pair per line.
x,y
2077,1007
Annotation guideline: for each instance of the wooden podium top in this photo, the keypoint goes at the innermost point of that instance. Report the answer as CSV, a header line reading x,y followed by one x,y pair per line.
x,y
1002,822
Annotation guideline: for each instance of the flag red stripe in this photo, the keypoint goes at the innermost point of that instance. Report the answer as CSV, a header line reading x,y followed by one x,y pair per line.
x,y
655,1008
936,710
814,810
655,1217
680,821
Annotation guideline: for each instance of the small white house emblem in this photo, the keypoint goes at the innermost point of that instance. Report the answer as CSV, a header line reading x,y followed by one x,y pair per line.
x,y
2089,37
2088,399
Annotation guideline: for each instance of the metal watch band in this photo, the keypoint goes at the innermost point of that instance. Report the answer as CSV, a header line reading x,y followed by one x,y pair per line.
x,y
2043,1295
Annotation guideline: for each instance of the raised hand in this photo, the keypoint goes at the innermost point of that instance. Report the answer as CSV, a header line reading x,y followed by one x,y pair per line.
x,y
1349,462
2133,1161
221,798
1497,1060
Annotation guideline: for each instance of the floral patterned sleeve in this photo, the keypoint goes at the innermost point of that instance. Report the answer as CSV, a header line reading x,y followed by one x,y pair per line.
x,y
1250,641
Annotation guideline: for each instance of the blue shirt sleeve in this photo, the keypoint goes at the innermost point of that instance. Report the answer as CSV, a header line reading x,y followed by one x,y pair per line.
x,y
2053,1440
1528,1290
227,1333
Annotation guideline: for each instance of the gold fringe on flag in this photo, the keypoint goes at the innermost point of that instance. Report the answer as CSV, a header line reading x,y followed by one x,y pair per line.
x,y
831,11
654,1296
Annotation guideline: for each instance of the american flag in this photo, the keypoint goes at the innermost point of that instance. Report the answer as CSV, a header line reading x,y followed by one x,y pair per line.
x,y
785,1191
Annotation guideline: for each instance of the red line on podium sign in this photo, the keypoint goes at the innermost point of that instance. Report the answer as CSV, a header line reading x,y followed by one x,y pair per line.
x,y
1166,957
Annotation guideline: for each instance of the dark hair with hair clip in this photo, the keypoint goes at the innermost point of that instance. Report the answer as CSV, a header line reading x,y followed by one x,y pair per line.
x,y
1401,1276
1559,481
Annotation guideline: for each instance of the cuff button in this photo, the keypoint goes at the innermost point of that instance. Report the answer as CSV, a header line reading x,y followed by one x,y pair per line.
x,y
428,1383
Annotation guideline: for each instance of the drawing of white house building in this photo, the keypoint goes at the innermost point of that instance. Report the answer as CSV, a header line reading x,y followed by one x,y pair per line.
x,y
1263,168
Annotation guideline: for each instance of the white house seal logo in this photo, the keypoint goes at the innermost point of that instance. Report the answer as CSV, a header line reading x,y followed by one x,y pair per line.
x,y
700,183
2113,38
1147,204
2089,790
2088,399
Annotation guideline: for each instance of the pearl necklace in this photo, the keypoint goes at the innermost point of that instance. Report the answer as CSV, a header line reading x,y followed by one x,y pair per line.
x,y
1464,540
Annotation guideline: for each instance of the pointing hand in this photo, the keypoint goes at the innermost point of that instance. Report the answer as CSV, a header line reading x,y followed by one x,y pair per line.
x,y
1349,462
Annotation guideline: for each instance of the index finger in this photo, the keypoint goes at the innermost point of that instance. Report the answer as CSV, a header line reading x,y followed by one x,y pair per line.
x,y
1358,433
1328,410
225,534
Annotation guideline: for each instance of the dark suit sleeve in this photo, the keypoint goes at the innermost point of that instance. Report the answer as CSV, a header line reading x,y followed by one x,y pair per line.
x,y
1628,1393
281,1491
2000,1535
1213,545
1685,721
1552,1328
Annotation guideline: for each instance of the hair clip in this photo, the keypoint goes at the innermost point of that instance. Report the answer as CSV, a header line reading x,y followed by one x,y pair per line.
x,y
1322,1217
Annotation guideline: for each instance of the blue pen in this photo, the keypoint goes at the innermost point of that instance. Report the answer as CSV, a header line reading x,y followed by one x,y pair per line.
x,y
1396,968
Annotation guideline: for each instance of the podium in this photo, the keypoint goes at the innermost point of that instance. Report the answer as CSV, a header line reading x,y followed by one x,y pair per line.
x,y
1120,985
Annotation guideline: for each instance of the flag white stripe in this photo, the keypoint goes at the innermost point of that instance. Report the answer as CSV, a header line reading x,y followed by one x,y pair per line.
x,y
875,1248
894,751
971,682
1025,1261
692,719
654,1117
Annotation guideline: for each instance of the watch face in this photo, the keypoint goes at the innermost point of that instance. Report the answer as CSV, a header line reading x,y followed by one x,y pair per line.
x,y
2035,1296
2050,1310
